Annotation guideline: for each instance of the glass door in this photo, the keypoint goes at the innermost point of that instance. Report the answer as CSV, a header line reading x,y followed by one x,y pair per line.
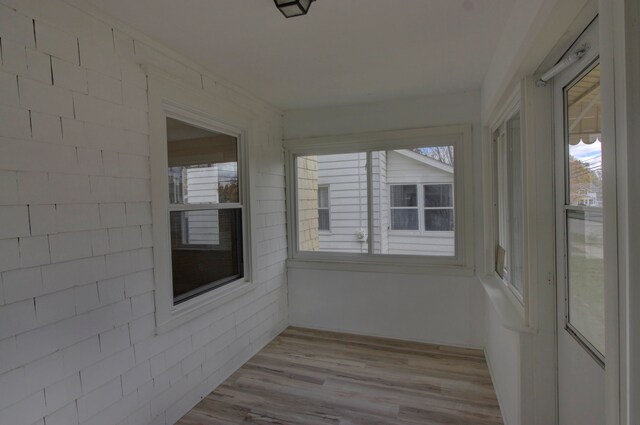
x,y
579,237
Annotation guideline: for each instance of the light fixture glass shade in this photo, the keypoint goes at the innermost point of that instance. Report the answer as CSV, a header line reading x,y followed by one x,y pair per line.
x,y
291,8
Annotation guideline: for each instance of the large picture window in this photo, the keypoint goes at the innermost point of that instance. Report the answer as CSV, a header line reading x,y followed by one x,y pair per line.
x,y
394,197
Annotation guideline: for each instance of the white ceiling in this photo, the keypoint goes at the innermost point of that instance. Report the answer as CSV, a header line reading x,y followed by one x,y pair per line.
x,y
342,52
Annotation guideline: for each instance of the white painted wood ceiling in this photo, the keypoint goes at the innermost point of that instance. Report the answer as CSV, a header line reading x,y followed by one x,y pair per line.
x,y
342,52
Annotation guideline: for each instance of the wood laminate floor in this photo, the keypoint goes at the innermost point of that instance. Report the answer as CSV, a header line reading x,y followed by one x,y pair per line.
x,y
312,377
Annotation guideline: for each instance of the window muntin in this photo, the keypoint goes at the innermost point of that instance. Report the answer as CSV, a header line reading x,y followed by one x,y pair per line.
x,y
583,212
324,212
206,230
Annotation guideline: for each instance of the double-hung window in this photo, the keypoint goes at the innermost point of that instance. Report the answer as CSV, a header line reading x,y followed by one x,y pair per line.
x,y
508,203
402,194
434,200
205,211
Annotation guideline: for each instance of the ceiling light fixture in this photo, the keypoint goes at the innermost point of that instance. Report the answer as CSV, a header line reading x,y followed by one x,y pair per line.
x,y
292,8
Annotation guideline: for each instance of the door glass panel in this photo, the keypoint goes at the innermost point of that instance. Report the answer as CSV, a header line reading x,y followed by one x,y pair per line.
x,y
584,229
585,145
586,275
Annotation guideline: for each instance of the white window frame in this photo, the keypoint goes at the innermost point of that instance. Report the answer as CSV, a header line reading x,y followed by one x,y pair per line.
x,y
167,98
328,208
458,136
516,311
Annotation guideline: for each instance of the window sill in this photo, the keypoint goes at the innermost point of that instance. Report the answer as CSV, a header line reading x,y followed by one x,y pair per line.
x,y
509,310
189,310
380,267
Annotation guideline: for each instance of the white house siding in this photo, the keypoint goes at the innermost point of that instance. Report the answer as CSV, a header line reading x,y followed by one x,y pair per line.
x,y
401,170
346,175
77,323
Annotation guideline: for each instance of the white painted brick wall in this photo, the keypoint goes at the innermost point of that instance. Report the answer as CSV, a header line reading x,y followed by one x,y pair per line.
x,y
78,343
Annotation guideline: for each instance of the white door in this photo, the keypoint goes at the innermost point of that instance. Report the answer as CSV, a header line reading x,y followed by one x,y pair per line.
x,y
579,230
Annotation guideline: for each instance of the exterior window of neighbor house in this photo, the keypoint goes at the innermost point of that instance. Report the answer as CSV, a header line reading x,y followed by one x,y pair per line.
x,y
438,207
324,212
404,207
205,210
396,201
508,181
436,204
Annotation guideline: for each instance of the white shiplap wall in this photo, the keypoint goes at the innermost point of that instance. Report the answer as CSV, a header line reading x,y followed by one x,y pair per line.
x,y
77,328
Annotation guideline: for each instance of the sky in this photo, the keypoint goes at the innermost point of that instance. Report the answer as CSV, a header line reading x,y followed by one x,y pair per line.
x,y
590,154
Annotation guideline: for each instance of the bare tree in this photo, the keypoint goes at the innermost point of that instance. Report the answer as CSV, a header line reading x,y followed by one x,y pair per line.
x,y
443,154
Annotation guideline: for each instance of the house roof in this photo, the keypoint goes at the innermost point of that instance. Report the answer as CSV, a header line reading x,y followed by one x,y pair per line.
x,y
425,160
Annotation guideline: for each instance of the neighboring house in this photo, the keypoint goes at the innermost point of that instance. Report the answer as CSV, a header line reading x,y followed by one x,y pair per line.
x,y
413,209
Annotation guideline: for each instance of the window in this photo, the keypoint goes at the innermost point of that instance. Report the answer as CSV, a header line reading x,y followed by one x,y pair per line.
x,y
436,204
401,197
205,209
438,207
404,207
508,200
324,215
199,201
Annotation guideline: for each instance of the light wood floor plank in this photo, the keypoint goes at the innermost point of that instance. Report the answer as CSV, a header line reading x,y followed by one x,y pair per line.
x,y
311,377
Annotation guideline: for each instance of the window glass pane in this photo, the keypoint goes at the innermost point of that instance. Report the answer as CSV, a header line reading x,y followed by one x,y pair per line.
x,y
584,140
323,197
438,195
323,219
346,174
404,219
438,220
206,250
406,181
203,165
404,196
586,275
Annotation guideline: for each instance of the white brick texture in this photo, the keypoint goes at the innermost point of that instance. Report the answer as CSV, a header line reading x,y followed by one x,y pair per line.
x,y
78,340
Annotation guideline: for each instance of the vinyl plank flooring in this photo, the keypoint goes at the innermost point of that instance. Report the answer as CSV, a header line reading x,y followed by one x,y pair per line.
x,y
311,377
